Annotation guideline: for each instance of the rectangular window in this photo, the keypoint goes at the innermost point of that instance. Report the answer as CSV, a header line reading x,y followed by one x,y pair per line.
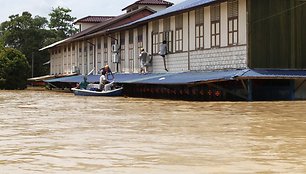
x,y
155,37
232,9
179,33
168,36
215,25
140,34
131,58
131,37
199,35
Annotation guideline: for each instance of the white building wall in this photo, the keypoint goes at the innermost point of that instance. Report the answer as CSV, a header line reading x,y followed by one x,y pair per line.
x,y
145,39
301,91
207,28
174,62
218,59
242,19
110,53
185,31
192,30
126,51
83,59
224,25
149,39
136,53
61,64
208,59
84,26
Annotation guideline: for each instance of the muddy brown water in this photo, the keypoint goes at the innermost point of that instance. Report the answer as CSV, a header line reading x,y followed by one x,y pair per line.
x,y
52,132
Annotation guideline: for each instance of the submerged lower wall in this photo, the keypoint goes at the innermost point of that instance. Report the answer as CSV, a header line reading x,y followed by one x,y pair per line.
x,y
203,60
300,86
221,58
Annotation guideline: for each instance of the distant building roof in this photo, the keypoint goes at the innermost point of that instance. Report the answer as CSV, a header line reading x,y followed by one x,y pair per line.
x,y
150,2
183,6
178,8
94,19
115,22
111,23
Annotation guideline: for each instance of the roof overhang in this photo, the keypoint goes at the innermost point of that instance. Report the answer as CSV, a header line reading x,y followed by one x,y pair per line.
x,y
191,77
54,44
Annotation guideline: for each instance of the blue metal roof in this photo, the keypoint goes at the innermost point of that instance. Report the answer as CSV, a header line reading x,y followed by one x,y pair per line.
x,y
190,77
176,8
188,4
119,78
273,73
158,78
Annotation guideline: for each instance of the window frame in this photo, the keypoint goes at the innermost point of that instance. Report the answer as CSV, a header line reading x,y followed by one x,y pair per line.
x,y
199,28
179,33
215,26
233,22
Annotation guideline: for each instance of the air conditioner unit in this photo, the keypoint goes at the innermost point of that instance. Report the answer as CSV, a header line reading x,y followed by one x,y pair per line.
x,y
116,58
115,48
75,69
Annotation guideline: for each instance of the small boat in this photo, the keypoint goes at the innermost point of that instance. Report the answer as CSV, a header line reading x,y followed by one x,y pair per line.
x,y
88,92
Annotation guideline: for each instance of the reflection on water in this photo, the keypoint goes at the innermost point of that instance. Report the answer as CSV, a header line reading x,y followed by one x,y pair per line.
x,y
43,131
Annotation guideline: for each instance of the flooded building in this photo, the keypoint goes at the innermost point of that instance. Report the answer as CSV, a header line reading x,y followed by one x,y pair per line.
x,y
228,50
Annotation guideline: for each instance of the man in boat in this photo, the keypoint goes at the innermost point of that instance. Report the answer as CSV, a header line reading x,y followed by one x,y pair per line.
x,y
107,71
83,84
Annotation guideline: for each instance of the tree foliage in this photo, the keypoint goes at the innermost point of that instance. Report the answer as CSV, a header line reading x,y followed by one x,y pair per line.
x,y
62,23
28,34
14,69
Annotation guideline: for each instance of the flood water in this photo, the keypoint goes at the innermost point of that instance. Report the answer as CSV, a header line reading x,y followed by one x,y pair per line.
x,y
52,132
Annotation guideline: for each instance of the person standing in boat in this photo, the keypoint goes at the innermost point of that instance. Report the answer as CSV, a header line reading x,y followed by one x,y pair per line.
x,y
104,79
107,71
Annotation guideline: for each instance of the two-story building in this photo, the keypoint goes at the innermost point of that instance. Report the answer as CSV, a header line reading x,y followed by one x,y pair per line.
x,y
260,42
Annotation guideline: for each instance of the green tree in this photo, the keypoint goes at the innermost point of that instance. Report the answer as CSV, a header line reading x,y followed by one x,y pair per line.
x,y
14,69
28,34
61,22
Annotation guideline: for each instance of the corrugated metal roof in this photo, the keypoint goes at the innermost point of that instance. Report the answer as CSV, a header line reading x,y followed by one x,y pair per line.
x,y
176,8
94,19
189,4
191,77
150,2
273,73
54,44
159,78
99,27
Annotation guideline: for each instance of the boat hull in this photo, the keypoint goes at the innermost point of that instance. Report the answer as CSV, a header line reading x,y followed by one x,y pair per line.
x,y
85,92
